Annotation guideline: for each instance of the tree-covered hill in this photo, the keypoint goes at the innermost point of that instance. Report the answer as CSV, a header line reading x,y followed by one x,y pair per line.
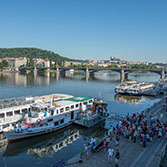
x,y
33,53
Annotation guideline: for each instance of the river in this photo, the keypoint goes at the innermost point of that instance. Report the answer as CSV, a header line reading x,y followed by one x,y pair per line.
x,y
47,150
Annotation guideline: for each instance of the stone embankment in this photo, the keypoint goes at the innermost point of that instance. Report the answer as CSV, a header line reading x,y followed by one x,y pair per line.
x,y
131,154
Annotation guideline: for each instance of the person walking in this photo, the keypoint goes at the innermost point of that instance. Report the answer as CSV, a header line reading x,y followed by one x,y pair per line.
x,y
104,145
88,151
85,148
110,154
117,156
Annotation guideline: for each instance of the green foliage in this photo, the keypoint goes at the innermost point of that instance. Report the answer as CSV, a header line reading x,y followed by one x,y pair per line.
x,y
141,66
33,53
3,64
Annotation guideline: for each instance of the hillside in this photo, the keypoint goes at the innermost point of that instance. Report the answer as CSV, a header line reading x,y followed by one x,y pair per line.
x,y
33,53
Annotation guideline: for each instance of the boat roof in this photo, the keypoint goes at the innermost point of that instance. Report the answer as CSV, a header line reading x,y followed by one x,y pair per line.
x,y
61,103
19,101
130,82
16,101
54,97
79,98
65,103
40,105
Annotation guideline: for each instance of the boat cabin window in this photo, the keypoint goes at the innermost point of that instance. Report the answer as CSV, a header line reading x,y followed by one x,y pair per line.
x,y
56,123
90,101
17,112
67,108
2,115
76,105
72,107
24,110
61,144
57,111
76,136
50,120
9,114
66,141
35,109
71,138
85,103
52,112
61,121
61,110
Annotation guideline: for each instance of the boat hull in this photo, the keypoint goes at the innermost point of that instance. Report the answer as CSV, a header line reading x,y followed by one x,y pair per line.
x,y
12,136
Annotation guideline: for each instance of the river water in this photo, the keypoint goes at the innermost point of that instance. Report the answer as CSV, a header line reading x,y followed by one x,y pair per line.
x,y
50,149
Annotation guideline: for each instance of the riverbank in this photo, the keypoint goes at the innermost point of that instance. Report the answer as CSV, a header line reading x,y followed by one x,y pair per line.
x,y
131,154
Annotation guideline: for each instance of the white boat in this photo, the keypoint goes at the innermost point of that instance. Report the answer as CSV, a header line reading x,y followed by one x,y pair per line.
x,y
139,89
12,110
48,117
122,88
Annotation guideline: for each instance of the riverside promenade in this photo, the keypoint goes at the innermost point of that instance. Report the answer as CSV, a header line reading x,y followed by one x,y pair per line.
x,y
131,154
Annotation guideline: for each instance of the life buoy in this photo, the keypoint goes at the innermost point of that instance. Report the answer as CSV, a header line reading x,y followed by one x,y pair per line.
x,y
38,120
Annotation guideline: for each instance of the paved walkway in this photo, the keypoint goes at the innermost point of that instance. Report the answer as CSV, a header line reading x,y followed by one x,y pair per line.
x,y
131,154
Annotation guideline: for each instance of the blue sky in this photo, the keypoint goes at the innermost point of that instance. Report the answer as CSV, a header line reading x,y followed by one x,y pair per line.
x,y
88,29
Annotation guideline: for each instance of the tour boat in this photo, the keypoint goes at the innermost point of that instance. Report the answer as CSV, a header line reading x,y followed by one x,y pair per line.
x,y
122,88
139,89
13,109
48,117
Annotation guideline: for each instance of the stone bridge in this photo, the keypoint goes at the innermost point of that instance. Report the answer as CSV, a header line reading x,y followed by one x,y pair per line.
x,y
90,71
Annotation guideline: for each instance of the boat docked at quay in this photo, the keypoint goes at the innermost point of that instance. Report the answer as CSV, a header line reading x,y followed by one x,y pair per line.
x,y
140,89
49,117
123,87
14,109
134,89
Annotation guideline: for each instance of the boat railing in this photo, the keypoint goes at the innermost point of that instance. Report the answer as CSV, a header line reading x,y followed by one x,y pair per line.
x,y
1,120
10,119
117,116
14,102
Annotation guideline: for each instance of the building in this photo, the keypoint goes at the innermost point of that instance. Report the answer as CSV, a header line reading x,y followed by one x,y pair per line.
x,y
42,62
70,63
15,63
46,63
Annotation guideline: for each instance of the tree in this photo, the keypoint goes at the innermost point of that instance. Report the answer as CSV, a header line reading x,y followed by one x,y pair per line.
x,y
3,64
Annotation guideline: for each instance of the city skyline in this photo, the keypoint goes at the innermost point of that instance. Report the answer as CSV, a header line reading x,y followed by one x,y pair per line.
x,y
129,30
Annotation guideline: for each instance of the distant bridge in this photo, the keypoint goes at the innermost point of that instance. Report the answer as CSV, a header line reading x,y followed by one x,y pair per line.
x,y
90,71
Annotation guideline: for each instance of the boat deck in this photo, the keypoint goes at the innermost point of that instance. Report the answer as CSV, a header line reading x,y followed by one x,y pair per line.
x,y
94,120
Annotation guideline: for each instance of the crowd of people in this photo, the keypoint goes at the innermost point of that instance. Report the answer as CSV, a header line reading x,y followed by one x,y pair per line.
x,y
140,127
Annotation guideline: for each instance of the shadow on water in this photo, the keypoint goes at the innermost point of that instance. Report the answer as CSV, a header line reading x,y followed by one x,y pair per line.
x,y
52,143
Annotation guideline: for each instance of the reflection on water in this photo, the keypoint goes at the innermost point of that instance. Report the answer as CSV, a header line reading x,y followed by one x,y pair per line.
x,y
131,99
52,145
128,99
63,144
23,79
54,142
47,78
44,145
